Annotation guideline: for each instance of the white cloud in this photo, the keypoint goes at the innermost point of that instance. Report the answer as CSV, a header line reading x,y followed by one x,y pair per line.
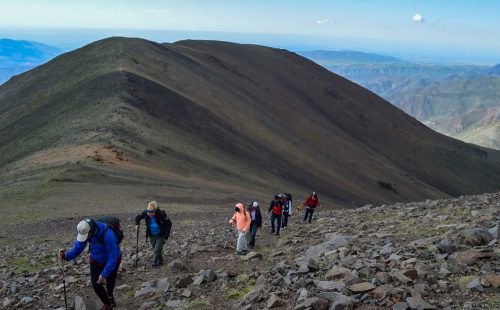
x,y
417,18
323,21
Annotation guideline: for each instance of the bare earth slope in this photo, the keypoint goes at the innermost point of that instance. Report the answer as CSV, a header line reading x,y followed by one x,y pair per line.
x,y
124,120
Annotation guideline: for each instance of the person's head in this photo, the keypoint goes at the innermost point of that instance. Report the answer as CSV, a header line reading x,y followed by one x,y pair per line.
x,y
238,207
276,197
152,208
315,194
86,229
255,204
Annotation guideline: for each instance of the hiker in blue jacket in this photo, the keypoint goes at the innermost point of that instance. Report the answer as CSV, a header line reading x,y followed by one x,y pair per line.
x,y
104,258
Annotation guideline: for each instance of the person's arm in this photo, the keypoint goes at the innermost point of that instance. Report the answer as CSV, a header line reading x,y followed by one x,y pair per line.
x,y
289,208
233,219
113,252
248,218
258,216
77,249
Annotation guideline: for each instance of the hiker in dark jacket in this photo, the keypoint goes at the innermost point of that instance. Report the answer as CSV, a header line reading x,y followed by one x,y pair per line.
x,y
276,210
105,257
158,227
287,209
256,223
311,203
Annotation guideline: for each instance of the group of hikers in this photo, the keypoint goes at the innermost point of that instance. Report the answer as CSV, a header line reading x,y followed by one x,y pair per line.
x,y
104,236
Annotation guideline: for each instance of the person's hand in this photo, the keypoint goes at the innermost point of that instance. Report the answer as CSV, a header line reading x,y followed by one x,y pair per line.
x,y
136,227
101,280
61,254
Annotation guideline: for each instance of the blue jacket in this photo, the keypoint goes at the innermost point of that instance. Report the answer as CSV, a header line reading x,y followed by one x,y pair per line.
x,y
107,253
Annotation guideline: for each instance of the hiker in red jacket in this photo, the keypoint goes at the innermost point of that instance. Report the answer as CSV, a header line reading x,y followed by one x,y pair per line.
x,y
311,203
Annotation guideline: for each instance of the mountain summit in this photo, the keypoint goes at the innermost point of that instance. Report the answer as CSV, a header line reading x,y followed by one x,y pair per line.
x,y
209,119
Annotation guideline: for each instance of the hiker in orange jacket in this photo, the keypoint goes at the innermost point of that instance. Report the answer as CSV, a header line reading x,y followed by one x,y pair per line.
x,y
243,220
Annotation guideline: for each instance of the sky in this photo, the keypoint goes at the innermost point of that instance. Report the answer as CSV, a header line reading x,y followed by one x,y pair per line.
x,y
467,30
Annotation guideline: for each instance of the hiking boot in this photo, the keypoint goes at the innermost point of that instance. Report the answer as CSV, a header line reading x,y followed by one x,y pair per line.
x,y
238,253
111,300
244,252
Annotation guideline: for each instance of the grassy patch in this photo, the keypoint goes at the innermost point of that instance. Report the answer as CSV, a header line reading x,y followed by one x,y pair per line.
x,y
492,302
236,293
23,264
197,303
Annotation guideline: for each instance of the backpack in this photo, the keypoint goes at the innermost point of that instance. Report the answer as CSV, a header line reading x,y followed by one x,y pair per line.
x,y
167,226
113,224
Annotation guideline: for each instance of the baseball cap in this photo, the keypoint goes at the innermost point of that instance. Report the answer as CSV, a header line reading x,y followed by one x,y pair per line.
x,y
255,204
83,230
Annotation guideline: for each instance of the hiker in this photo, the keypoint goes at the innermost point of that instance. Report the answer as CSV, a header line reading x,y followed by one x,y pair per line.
x,y
256,223
105,257
311,203
158,227
276,210
243,220
287,209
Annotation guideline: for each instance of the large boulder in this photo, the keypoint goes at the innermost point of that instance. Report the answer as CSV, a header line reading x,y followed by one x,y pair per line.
x,y
335,242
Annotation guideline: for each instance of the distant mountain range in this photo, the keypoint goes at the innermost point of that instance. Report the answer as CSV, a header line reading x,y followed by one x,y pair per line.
x,y
123,120
19,56
457,100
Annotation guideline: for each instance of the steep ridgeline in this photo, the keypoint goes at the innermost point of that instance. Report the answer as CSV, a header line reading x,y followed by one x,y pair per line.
x,y
231,117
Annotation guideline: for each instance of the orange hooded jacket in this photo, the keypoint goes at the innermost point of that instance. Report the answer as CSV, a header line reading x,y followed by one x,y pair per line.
x,y
242,218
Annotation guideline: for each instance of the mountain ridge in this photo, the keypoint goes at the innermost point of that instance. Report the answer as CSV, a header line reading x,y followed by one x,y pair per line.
x,y
211,116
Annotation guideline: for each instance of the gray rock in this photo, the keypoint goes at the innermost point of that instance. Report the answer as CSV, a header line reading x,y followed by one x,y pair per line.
x,y
124,287
251,255
184,281
329,285
402,278
335,242
274,301
27,300
186,293
306,303
6,302
475,286
312,265
303,294
478,236
400,306
338,301
416,302
210,275
175,303
199,280
148,305
80,303
422,242
361,287
144,291
177,265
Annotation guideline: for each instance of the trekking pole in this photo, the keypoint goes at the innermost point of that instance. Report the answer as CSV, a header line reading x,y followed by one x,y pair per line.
x,y
137,247
64,285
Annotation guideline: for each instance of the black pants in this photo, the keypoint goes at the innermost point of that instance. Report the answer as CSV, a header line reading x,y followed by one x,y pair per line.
x,y
103,293
309,212
275,217
285,219
253,232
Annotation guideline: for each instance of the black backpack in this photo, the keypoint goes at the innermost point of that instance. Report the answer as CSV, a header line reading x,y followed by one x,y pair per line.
x,y
167,225
113,224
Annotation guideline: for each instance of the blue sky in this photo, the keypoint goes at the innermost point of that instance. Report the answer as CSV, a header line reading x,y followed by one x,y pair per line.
x,y
458,29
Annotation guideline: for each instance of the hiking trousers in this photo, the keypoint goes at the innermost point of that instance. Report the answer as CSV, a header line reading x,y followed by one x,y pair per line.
x,y
157,243
253,232
241,245
285,219
102,292
277,218
309,212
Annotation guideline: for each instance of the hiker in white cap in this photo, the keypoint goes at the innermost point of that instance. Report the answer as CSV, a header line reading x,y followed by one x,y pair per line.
x,y
256,222
105,257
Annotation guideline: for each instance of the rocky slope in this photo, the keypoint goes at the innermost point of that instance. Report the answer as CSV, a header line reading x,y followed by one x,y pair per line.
x,y
440,254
